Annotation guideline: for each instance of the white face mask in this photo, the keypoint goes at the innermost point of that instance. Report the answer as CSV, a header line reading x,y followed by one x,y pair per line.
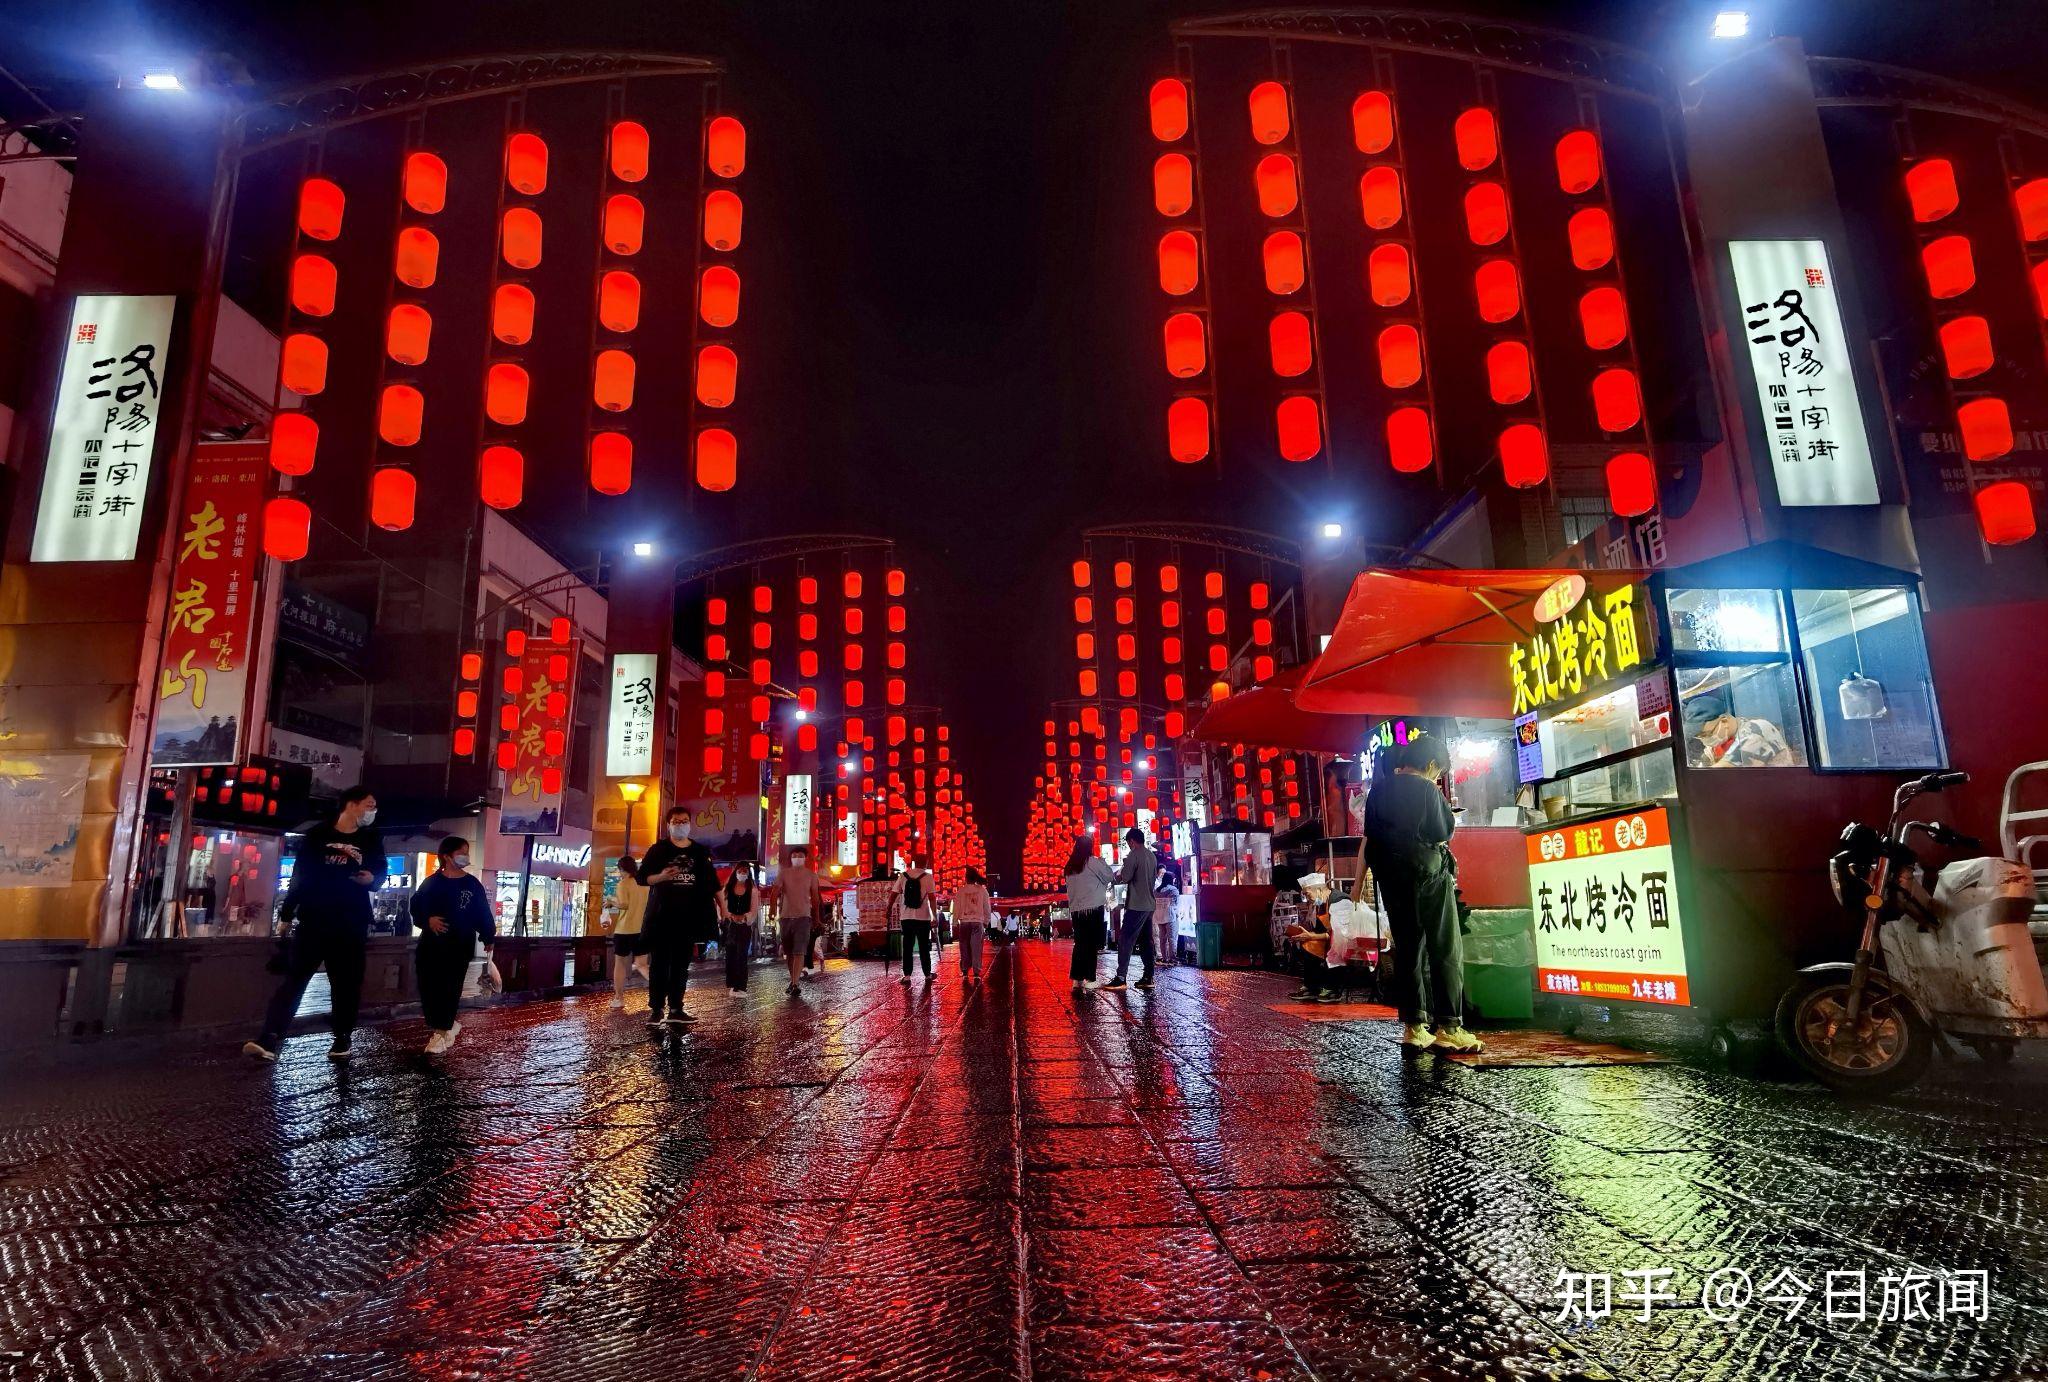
x,y
368,817
680,834
460,861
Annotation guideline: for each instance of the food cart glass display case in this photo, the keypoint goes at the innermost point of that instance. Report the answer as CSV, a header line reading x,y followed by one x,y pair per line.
x,y
1235,883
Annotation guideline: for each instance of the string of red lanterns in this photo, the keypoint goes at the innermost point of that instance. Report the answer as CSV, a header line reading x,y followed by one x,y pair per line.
x,y
1290,279
1392,284
716,363
1182,253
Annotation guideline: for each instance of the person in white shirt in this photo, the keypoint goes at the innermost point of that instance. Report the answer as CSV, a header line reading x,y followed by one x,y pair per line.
x,y
1088,883
916,908
971,912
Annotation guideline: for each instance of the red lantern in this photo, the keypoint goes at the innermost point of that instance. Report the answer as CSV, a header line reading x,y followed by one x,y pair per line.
x,y
611,462
1524,456
1379,197
465,742
1173,184
718,296
718,371
1169,102
400,412
1270,121
1286,266
1187,430
1508,375
515,647
1591,232
1169,578
1486,213
1084,646
1187,350
1400,356
501,476
2038,276
618,301
313,284
1123,574
627,150
718,454
408,332
1279,191
1951,270
1289,339
526,163
2005,513
392,493
1631,484
1578,162
2030,204
1087,681
505,392
722,220
426,183
1966,346
303,363
294,437
1410,445
519,237
1931,189
612,381
512,313
1603,317
1082,574
1299,424
1180,262
1617,400
287,526
625,223
1498,288
894,582
725,147
418,258
1372,122
321,204
1478,139
1986,426
1388,275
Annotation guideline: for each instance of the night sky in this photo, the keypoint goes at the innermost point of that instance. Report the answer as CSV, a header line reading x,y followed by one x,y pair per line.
x,y
949,268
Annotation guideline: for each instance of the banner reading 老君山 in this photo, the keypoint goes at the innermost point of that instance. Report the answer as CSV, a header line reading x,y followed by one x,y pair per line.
x,y
203,683
532,804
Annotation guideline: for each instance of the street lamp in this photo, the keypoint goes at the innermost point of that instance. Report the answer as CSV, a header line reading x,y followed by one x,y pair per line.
x,y
162,80
643,549
1333,531
1731,24
632,792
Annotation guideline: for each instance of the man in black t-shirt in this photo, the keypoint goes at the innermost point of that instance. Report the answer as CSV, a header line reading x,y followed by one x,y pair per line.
x,y
682,888
338,865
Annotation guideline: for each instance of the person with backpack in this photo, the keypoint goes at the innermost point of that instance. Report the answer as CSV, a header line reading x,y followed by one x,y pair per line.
x,y
1088,882
453,913
916,909
972,909
1408,826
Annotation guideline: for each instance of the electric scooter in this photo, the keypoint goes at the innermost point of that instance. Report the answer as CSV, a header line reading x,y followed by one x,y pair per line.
x,y
1942,954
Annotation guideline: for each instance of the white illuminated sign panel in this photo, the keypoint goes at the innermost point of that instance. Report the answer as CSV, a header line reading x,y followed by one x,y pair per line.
x,y
796,809
103,432
629,735
1608,924
849,840
1800,354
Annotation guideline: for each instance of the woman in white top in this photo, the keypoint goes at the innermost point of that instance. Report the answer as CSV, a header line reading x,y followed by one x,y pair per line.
x,y
971,913
1088,883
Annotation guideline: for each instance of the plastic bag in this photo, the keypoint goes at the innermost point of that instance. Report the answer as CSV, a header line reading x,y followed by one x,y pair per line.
x,y
488,979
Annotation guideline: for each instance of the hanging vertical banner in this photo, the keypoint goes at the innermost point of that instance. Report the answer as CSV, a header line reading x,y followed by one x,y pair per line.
x,y
629,733
796,809
533,787
718,783
103,431
848,855
204,682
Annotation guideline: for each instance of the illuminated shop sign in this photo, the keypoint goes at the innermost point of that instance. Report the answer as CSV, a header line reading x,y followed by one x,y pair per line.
x,y
1594,642
1608,924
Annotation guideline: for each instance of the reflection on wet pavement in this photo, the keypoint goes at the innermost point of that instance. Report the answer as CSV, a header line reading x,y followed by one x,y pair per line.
x,y
928,1182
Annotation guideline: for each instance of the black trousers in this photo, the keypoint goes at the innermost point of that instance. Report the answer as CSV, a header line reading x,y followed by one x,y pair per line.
x,y
669,952
1135,931
1316,976
738,944
1089,933
1429,955
439,965
919,934
337,945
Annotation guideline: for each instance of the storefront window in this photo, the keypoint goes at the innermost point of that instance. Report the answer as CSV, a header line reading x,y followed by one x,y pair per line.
x,y
1868,684
1483,782
1737,699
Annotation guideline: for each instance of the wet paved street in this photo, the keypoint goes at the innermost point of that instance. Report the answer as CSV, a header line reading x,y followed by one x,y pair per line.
x,y
931,1183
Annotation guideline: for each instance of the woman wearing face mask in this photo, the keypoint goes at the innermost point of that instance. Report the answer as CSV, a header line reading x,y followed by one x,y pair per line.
x,y
453,912
736,907
682,910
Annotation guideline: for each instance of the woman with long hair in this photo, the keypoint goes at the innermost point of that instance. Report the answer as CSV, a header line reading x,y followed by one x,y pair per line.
x,y
737,903
1088,883
971,915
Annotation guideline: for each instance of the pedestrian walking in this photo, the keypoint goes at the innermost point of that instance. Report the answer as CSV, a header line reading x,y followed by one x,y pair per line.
x,y
972,909
738,901
338,865
1141,867
453,913
799,910
916,909
628,941
682,913
1088,883
1408,826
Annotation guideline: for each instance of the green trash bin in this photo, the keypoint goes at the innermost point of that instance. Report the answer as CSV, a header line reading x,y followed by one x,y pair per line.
x,y
895,951
1209,944
1500,963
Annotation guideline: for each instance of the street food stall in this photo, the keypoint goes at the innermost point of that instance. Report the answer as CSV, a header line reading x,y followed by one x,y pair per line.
x,y
1234,885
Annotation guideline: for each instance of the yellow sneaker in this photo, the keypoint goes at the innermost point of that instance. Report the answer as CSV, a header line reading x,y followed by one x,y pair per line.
x,y
1457,1041
1418,1036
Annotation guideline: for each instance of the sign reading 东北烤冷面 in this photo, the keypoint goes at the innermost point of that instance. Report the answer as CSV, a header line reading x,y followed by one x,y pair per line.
x,y
1596,640
629,735
1608,925
103,430
1801,356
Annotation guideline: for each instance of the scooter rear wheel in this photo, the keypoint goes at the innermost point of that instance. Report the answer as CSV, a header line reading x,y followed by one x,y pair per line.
x,y
1888,1048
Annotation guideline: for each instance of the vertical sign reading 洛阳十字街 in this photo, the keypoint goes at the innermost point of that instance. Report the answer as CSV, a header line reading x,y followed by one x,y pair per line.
x,y
532,804
203,681
629,732
103,429
1802,360
1608,923
796,809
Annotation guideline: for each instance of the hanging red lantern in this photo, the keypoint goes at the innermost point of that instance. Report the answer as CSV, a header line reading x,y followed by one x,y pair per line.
x,y
725,146
1123,574
1087,681
294,437
1379,196
895,582
1180,262
1279,189
526,163
1400,348
408,332
1498,287
520,236
1169,103
1509,377
1478,139
465,742
1578,162
718,370
1289,340
611,462
1388,275
425,181
1173,184
392,494
2030,204
1951,269
1299,424
1169,577
1966,346
1986,426
313,285
1524,456
401,410
1187,350
1372,122
512,313
718,296
722,220
287,528
1931,189
2038,276
505,393
1486,213
625,223
1617,400
1591,232
1082,573
718,453
2005,513
1631,484
1187,430
1285,263
302,363
618,301
1270,121
612,381
1603,317
627,150
501,476
321,205
418,259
